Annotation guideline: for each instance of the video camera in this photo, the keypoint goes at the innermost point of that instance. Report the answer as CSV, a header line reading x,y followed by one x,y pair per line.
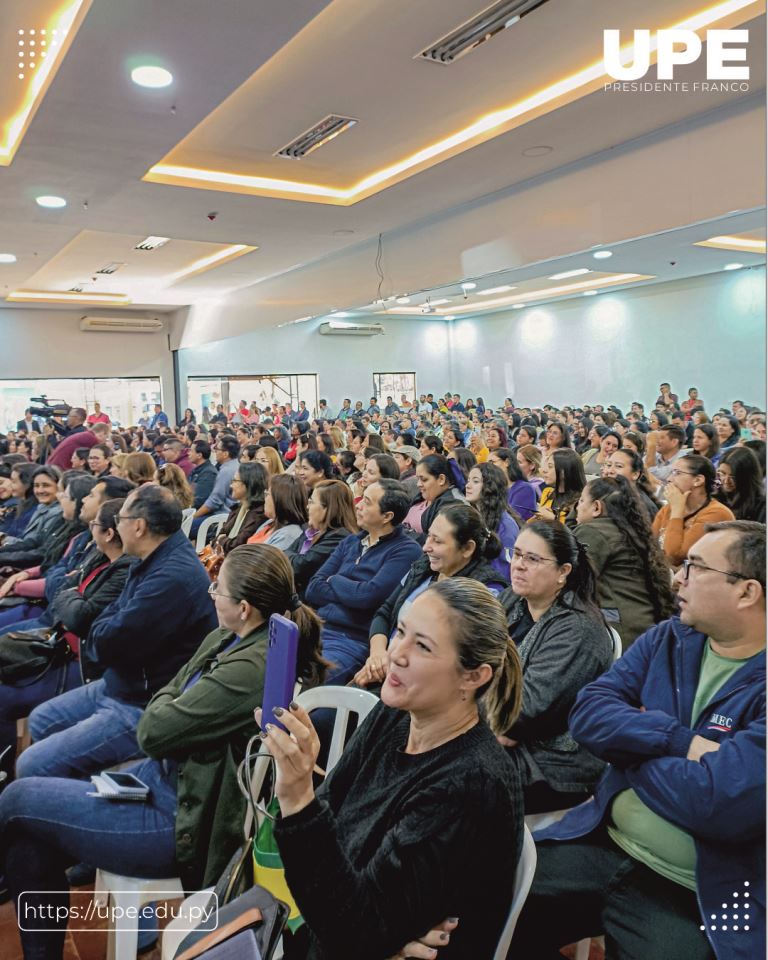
x,y
48,408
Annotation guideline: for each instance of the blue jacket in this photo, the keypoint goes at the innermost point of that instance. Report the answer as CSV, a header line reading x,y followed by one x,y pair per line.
x,y
144,637
350,586
719,800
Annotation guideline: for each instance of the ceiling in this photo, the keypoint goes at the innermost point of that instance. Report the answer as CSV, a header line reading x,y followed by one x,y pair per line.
x,y
422,146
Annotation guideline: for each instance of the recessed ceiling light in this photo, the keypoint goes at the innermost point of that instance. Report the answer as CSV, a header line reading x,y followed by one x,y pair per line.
x,y
437,303
151,243
7,258
51,203
468,285
569,273
340,314
537,151
518,306
403,300
449,317
492,290
602,254
733,266
590,293
151,76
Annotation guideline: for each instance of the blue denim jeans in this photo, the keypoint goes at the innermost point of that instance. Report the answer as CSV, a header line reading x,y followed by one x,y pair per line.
x,y
27,617
48,824
346,655
18,701
80,733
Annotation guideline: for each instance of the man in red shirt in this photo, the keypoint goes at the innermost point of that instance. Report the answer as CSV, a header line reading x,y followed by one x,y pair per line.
x,y
78,437
97,416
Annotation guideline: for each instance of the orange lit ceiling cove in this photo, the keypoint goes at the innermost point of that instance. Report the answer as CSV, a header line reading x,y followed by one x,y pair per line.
x,y
35,36
750,242
506,84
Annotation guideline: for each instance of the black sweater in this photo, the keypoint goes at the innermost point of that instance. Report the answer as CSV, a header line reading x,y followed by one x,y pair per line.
x,y
306,565
394,843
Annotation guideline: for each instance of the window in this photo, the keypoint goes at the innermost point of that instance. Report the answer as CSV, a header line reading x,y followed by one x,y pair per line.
x,y
125,400
207,392
394,385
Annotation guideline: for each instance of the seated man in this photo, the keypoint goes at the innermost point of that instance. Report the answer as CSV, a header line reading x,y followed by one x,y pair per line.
x,y
138,643
668,858
203,475
359,576
664,447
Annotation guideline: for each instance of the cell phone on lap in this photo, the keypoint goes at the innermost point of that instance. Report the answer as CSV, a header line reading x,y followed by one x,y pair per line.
x,y
118,785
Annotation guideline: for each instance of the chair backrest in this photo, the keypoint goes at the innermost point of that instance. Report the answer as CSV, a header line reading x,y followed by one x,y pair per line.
x,y
617,648
526,868
202,530
345,701
187,516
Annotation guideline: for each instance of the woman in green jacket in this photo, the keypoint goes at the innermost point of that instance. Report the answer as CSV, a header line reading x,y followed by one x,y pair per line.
x,y
193,731
634,583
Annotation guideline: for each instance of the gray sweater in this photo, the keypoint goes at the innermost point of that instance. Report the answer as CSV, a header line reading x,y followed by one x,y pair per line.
x,y
561,653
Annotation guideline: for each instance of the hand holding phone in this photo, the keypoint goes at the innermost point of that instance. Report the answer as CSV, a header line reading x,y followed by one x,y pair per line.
x,y
280,678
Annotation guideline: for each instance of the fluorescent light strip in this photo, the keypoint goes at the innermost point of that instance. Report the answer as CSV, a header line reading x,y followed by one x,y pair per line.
x,y
492,290
228,253
65,23
569,273
736,243
53,296
590,75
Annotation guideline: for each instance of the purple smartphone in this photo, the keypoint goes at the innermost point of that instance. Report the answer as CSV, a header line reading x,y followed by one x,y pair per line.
x,y
280,677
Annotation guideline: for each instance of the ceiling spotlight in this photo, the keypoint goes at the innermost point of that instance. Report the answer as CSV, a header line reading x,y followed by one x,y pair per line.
x,y
403,300
52,203
468,285
590,293
450,317
733,266
518,306
602,254
569,273
7,258
153,77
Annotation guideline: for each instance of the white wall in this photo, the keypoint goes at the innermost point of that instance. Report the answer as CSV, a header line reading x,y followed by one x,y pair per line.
x,y
707,332
50,343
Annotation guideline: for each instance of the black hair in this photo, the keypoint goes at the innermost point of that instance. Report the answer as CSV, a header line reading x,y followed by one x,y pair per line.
x,y
345,460
674,431
107,516
437,466
710,432
394,500
158,507
468,524
701,467
433,443
613,433
387,465
493,497
465,459
747,501
660,416
569,474
318,460
116,486
229,444
735,430
564,433
758,448
746,555
565,548
256,480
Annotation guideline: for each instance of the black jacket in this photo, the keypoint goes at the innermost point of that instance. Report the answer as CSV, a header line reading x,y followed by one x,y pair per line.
x,y
306,565
202,479
385,618
76,610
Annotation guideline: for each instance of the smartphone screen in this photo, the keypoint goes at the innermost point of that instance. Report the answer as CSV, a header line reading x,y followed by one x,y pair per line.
x,y
126,780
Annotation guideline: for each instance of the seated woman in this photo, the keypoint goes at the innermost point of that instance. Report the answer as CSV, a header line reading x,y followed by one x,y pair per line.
x,y
728,430
331,513
564,475
79,599
610,441
440,481
564,644
171,476
193,731
421,801
558,437
458,545
249,489
312,467
487,492
634,440
741,484
630,465
139,468
706,442
522,496
529,460
496,437
431,444
634,582
689,508
270,459
29,549
285,507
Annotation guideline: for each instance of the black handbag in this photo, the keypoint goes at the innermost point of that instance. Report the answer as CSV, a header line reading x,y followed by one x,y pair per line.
x,y
28,656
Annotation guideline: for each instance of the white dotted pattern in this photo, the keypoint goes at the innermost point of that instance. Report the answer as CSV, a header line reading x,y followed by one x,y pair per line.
x,y
34,45
735,916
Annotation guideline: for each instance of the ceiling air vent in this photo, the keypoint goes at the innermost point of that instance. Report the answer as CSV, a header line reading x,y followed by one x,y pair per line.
x,y
121,324
337,328
111,267
79,287
152,243
318,135
471,34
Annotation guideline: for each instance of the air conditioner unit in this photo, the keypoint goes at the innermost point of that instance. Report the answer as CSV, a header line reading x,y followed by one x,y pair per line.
x,y
339,328
121,324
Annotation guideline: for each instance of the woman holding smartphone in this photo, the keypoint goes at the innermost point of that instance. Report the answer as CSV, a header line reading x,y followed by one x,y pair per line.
x,y
193,732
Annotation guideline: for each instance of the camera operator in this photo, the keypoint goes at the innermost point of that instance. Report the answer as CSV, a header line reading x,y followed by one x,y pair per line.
x,y
77,436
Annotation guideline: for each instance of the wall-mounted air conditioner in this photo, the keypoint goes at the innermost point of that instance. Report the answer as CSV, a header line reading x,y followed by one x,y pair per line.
x,y
121,324
340,328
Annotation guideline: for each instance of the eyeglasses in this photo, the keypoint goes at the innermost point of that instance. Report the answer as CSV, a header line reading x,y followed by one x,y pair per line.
x,y
530,559
237,480
681,473
688,565
95,523
213,591
126,516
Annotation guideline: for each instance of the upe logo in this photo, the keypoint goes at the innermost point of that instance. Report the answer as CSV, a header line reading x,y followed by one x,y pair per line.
x,y
677,47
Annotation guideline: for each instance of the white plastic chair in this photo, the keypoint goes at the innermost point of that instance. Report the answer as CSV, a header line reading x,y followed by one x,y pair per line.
x,y
187,516
617,648
202,531
523,880
345,701
129,894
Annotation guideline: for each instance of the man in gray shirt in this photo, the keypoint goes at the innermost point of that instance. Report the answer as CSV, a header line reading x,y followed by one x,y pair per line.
x,y
227,451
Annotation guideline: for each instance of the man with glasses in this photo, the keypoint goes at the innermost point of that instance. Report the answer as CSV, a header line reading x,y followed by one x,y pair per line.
x,y
663,448
667,860
227,451
174,451
137,644
689,508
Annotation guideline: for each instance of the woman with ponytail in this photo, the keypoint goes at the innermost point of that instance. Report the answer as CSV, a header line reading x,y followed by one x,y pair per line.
x,y
564,644
440,482
634,582
629,464
193,732
487,490
459,544
423,812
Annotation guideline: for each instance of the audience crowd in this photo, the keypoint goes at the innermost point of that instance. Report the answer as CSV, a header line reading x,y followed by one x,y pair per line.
x,y
561,611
